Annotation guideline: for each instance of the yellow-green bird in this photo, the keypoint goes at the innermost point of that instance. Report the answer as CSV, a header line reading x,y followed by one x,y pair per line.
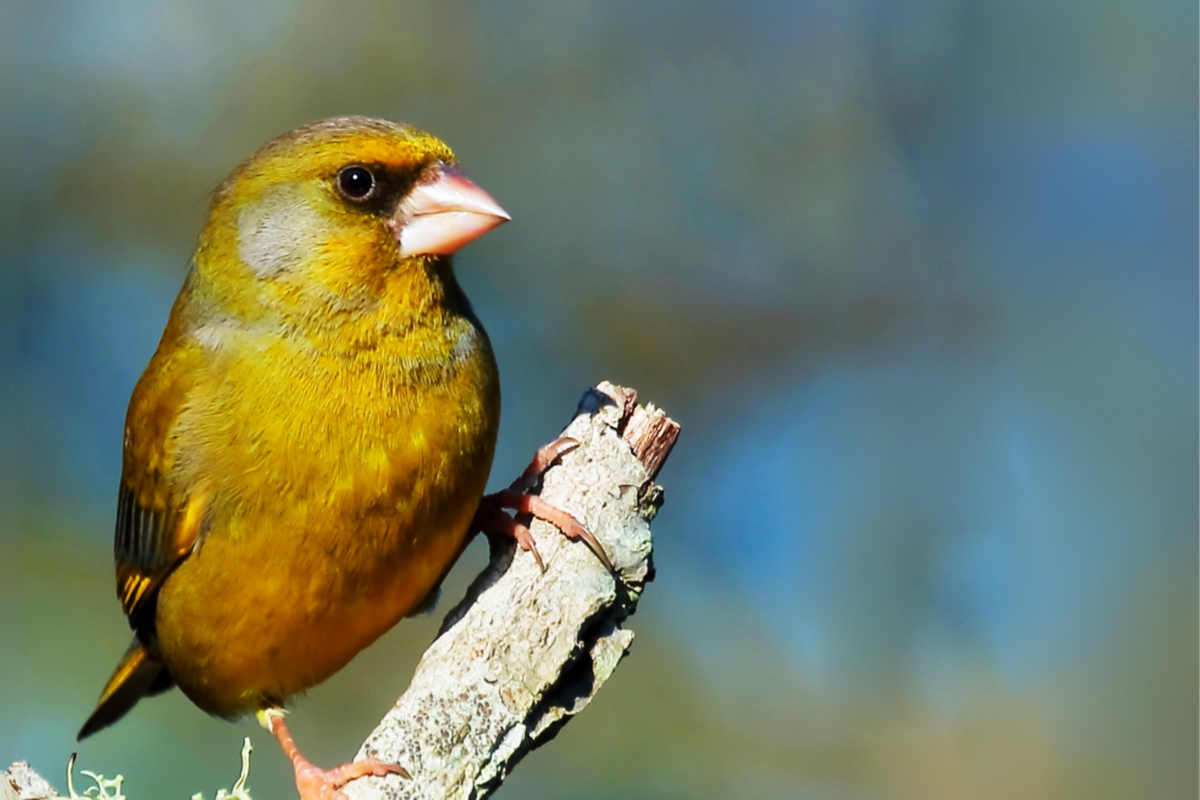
x,y
308,446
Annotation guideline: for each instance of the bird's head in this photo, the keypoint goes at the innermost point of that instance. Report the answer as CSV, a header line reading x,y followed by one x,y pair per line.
x,y
328,211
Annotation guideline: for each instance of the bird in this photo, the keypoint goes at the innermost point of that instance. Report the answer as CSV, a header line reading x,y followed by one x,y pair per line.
x,y
306,454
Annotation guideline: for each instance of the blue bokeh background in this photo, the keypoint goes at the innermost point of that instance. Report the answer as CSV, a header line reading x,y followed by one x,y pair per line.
x,y
919,279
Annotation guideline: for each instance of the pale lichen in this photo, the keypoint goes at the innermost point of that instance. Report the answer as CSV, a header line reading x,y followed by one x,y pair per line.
x,y
239,791
110,788
104,789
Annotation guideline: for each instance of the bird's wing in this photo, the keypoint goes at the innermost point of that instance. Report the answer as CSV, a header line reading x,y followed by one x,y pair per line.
x,y
151,539
158,522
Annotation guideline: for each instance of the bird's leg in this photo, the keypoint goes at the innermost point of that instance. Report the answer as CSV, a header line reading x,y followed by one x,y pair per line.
x,y
315,783
491,517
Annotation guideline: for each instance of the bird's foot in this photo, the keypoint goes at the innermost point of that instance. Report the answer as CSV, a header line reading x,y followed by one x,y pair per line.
x,y
491,518
315,783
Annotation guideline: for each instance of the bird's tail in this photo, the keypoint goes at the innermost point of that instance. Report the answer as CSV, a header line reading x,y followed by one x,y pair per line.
x,y
139,674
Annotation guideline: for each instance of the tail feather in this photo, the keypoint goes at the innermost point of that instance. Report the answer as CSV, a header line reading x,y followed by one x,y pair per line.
x,y
139,674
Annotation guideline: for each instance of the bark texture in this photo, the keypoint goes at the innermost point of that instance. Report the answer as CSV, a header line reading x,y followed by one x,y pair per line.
x,y
525,650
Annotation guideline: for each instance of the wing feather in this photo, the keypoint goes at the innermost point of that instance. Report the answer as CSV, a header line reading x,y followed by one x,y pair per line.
x,y
158,521
150,542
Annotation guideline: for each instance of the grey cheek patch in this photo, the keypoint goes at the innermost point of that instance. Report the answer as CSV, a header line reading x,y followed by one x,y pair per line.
x,y
275,235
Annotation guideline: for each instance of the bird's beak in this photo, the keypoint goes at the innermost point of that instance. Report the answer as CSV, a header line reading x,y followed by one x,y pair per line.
x,y
444,212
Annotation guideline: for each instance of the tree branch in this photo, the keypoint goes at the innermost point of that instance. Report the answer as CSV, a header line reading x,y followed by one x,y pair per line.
x,y
525,650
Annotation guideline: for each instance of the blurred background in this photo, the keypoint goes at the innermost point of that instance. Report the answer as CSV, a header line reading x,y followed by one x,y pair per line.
x,y
918,278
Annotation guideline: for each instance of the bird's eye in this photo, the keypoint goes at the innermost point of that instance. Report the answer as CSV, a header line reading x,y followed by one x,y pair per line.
x,y
356,183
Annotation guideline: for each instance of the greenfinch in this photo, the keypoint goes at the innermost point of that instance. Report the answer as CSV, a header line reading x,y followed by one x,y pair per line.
x,y
306,451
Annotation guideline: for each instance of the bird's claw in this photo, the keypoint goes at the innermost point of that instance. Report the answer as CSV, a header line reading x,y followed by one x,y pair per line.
x,y
545,456
516,497
314,783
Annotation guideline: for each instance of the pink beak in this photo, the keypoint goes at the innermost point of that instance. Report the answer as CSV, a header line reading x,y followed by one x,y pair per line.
x,y
444,212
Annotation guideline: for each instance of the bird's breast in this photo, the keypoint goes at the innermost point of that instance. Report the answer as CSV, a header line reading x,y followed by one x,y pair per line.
x,y
342,489
341,432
